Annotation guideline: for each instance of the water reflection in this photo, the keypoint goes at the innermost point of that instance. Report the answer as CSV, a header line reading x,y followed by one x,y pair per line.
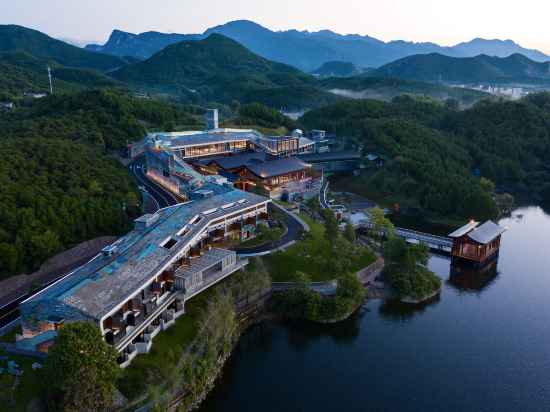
x,y
301,334
470,280
396,310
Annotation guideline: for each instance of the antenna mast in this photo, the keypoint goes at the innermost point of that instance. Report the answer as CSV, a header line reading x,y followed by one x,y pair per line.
x,y
50,78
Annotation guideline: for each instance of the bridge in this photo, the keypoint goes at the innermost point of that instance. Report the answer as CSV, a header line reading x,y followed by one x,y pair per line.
x,y
441,244
343,161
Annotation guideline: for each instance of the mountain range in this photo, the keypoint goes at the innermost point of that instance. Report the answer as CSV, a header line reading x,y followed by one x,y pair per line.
x,y
220,69
480,69
22,39
310,50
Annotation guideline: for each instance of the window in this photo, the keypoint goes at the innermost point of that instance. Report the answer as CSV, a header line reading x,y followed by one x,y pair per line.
x,y
170,243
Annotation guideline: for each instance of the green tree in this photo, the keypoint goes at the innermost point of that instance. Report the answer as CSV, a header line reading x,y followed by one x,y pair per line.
x,y
380,223
331,225
349,233
81,370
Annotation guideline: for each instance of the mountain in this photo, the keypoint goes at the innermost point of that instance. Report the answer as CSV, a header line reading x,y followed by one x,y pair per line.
x,y
220,69
482,68
23,73
310,50
336,69
497,48
140,46
21,39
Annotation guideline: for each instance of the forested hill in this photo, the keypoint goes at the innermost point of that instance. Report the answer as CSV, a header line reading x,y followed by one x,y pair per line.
x,y
107,119
23,73
59,184
54,194
440,68
336,69
435,153
220,69
21,39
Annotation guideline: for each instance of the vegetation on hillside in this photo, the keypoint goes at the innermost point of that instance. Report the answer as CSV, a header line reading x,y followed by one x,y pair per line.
x,y
220,69
107,119
259,115
23,73
436,67
16,38
435,155
54,194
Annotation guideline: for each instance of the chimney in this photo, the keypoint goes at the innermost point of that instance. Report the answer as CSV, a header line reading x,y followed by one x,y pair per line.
x,y
211,118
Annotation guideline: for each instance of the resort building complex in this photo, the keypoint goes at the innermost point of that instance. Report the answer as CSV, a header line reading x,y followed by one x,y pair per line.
x,y
184,161
138,285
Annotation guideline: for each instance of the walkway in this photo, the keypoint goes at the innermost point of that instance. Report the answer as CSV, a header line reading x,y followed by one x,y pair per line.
x,y
440,243
295,228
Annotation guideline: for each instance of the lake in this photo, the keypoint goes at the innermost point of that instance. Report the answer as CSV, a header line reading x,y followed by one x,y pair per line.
x,y
484,345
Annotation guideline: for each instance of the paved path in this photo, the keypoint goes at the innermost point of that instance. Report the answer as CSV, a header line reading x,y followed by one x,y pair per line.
x,y
162,196
295,229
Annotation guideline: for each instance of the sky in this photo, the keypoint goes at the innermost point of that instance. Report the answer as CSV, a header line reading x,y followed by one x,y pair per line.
x,y
445,22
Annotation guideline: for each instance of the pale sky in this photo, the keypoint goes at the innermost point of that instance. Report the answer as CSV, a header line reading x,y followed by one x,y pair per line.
x,y
446,22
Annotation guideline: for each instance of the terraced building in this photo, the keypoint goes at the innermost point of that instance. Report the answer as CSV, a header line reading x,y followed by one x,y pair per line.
x,y
138,285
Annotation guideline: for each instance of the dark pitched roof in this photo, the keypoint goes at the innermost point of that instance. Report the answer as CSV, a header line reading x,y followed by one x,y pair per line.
x,y
277,167
240,160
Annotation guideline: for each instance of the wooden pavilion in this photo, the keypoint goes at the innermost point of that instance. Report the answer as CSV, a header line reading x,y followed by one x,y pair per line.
x,y
476,244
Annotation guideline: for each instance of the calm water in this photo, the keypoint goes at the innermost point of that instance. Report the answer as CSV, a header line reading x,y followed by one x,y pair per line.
x,y
483,346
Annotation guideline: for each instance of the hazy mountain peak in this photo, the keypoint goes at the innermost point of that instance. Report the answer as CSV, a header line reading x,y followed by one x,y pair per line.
x,y
310,50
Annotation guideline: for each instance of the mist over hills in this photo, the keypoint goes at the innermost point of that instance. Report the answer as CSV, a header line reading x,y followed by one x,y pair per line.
x,y
310,50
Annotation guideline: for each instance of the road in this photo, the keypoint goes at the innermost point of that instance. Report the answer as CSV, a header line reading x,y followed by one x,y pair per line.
x,y
294,231
162,197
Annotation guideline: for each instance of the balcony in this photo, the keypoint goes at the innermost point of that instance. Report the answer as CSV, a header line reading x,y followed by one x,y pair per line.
x,y
128,355
134,318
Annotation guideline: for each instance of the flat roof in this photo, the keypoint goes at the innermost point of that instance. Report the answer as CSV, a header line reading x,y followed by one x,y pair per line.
x,y
206,261
105,282
199,138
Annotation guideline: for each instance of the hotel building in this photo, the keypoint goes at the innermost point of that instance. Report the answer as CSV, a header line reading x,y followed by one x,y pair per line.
x,y
138,285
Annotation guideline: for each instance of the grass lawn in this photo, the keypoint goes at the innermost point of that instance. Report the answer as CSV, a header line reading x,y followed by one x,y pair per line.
x,y
28,389
270,236
309,256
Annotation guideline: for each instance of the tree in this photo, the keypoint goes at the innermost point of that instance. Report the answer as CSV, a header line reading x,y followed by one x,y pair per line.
x,y
349,233
302,279
331,225
380,223
81,370
487,185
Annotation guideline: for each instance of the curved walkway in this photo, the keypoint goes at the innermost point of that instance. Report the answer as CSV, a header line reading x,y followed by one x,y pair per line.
x,y
295,226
